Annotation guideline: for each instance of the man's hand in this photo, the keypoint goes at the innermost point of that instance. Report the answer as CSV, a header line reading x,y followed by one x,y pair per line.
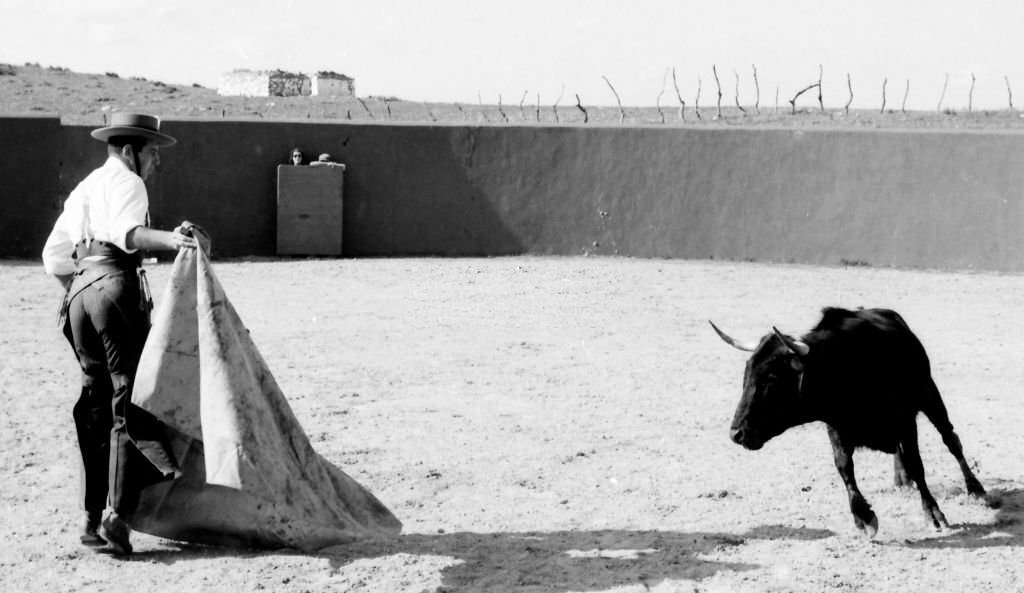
x,y
181,240
199,236
185,228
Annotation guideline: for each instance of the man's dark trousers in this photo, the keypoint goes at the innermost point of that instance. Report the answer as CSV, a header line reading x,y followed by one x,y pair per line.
x,y
107,326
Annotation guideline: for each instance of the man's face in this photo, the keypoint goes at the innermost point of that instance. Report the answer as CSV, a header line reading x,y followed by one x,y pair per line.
x,y
149,160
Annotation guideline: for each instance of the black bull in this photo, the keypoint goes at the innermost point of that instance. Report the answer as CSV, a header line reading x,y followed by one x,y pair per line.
x,y
866,376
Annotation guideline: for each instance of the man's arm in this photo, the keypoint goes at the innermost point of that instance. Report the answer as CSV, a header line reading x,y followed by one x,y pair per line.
x,y
142,237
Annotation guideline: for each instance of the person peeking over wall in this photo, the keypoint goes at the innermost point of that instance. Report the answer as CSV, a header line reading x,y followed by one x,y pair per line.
x,y
325,160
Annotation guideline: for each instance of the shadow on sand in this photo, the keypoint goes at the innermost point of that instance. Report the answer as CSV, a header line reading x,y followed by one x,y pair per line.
x,y
1006,530
570,560
550,561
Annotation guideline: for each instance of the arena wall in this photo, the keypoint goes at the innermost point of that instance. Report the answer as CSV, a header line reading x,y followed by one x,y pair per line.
x,y
30,192
927,199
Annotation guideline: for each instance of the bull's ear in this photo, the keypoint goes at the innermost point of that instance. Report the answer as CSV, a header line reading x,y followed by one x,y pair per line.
x,y
731,341
796,346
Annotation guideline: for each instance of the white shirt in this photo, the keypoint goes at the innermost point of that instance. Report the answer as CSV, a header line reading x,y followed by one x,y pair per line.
x,y
106,205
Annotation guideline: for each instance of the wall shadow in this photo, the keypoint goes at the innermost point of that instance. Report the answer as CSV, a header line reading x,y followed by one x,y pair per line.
x,y
407,191
556,561
1006,530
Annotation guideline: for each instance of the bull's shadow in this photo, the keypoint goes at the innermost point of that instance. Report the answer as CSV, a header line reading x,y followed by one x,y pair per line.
x,y
1007,528
570,560
543,561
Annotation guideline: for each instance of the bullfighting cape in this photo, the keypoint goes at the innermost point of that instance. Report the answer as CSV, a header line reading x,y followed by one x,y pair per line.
x,y
248,473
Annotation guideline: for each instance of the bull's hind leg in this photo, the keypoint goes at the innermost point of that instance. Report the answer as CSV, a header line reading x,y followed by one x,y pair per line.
x,y
899,473
936,413
863,517
911,456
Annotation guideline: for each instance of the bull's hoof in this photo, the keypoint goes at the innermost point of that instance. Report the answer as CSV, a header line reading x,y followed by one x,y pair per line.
x,y
869,528
975,489
938,520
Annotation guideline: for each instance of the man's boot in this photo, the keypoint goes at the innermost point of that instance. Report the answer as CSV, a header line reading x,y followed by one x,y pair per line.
x,y
117,534
90,531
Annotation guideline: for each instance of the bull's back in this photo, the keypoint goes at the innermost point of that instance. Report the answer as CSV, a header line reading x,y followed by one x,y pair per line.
x,y
870,337
873,374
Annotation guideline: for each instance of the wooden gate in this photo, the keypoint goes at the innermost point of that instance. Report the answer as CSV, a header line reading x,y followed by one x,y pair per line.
x,y
309,210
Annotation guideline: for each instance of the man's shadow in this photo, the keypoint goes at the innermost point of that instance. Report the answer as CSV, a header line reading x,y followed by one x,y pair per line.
x,y
557,560
1007,528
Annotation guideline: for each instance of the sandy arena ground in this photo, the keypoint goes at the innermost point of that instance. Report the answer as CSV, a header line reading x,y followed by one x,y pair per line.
x,y
552,424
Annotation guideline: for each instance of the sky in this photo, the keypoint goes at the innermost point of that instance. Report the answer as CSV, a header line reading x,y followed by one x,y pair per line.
x,y
471,51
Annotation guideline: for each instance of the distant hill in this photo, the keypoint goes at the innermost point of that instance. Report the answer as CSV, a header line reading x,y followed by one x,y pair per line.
x,y
80,98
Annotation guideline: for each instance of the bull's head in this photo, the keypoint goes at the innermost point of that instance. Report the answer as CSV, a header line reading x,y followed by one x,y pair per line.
x,y
771,388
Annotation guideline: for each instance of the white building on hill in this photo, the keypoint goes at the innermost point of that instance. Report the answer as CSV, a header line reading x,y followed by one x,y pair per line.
x,y
332,84
278,83
264,83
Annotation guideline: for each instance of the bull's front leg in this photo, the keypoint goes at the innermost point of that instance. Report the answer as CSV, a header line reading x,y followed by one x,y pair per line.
x,y
863,517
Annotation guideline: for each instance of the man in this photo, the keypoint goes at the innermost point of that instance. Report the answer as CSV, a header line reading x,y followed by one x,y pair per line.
x,y
94,251
325,160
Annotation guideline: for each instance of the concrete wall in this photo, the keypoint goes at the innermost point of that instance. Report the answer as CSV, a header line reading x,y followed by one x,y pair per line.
x,y
951,199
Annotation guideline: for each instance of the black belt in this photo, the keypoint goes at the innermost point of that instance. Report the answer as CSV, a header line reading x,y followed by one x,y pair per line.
x,y
105,252
106,260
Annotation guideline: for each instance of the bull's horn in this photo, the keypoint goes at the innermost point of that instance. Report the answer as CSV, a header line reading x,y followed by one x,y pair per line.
x,y
799,348
730,341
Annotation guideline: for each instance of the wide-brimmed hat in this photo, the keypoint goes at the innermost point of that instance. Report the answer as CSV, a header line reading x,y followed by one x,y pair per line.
x,y
137,125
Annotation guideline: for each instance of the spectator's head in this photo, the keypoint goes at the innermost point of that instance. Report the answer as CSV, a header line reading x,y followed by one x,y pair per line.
x,y
296,156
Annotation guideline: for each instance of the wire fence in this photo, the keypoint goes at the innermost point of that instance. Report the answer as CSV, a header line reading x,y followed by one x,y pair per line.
x,y
383,110
712,102
715,100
